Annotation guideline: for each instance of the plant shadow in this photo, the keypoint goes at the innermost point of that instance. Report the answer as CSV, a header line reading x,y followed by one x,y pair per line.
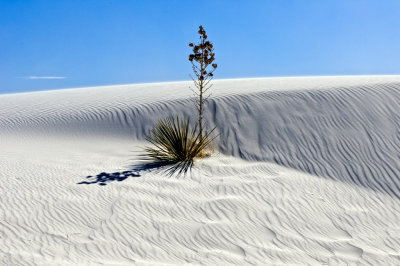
x,y
104,178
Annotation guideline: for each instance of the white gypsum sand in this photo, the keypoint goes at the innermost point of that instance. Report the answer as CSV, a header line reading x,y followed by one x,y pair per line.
x,y
306,171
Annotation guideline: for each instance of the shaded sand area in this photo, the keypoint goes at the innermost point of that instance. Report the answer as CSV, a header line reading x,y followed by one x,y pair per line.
x,y
306,172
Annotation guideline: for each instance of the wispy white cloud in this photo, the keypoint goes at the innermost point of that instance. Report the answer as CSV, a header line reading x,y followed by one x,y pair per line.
x,y
44,77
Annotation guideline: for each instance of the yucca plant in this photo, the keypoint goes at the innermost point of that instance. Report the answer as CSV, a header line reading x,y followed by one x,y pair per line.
x,y
176,145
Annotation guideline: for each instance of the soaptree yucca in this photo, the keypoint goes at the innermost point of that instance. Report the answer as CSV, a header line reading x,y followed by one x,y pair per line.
x,y
175,144
203,67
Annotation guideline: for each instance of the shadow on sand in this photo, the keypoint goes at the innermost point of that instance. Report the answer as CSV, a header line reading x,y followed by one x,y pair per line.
x,y
103,178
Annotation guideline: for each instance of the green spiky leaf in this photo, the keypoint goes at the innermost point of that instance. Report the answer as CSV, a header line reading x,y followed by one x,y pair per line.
x,y
175,144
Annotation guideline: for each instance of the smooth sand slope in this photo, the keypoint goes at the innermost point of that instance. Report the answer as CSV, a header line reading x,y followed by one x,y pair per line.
x,y
307,172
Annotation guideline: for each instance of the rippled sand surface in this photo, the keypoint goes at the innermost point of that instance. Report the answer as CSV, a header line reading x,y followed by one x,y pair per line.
x,y
306,172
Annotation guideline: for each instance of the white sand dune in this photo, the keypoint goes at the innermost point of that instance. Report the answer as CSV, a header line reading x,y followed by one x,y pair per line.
x,y
307,171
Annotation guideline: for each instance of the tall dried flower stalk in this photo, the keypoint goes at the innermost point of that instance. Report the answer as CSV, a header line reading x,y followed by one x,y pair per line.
x,y
203,67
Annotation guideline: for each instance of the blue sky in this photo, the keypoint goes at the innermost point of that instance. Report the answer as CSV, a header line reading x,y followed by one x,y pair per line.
x,y
63,44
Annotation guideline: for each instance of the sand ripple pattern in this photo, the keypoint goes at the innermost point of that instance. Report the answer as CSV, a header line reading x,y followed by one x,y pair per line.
x,y
319,186
226,212
347,134
350,134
